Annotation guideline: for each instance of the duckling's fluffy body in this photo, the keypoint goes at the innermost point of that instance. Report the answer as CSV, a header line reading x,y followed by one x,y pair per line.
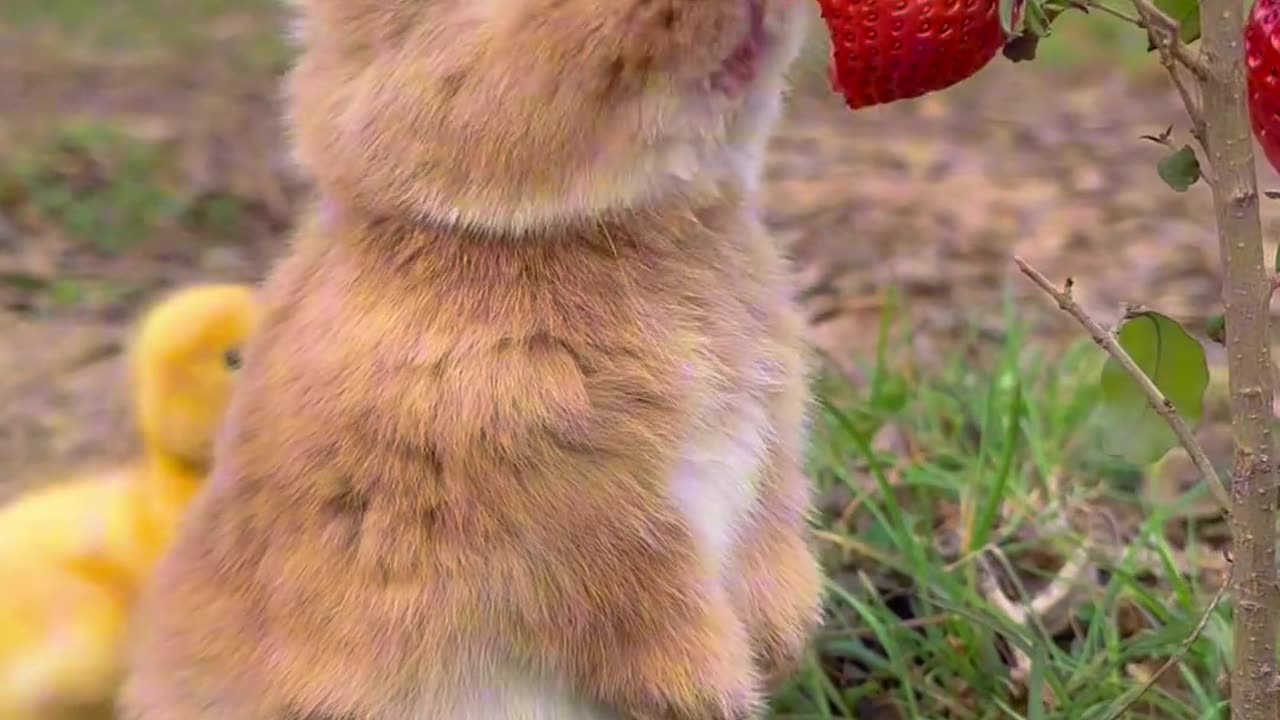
x,y
73,553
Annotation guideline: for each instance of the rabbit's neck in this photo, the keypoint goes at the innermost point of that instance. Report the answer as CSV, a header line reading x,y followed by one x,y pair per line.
x,y
335,217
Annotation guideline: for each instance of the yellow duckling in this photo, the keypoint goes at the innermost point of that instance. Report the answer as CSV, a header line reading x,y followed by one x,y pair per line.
x,y
72,555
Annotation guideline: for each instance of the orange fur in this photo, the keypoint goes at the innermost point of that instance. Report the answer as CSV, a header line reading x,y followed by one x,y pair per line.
x,y
531,361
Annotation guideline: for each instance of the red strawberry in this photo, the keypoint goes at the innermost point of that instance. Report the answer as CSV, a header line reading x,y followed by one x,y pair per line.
x,y
887,50
1262,56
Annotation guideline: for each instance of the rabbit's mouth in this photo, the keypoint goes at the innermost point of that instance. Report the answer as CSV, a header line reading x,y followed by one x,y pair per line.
x,y
740,69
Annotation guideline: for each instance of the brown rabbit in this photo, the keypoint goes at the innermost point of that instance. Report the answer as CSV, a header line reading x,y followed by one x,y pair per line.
x,y
521,437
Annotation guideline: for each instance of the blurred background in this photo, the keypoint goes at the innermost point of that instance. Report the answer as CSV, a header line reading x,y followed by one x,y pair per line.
x,y
141,149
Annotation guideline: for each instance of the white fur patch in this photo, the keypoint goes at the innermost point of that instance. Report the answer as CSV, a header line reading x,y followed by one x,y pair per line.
x,y
715,486
717,481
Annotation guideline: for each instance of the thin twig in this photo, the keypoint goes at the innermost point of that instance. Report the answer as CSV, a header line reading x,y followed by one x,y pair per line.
x,y
1048,613
1149,17
1166,34
1190,100
1050,610
1183,649
1108,10
1155,21
1162,405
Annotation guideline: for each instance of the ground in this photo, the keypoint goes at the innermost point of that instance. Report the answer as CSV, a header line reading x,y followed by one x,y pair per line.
x,y
140,149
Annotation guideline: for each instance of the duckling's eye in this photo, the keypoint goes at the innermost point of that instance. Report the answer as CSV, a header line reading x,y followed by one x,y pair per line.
x,y
232,358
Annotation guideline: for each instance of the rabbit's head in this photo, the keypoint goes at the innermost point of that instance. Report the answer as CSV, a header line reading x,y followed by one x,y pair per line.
x,y
512,115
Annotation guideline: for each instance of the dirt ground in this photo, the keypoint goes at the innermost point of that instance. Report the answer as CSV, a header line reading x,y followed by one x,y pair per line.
x,y
930,196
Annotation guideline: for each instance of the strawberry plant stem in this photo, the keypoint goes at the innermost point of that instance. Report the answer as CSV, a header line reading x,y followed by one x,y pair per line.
x,y
1246,294
1165,29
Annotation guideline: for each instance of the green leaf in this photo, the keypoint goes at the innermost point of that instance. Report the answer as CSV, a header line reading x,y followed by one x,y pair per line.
x,y
1216,328
1175,363
66,293
1035,685
1037,19
1180,169
1007,8
1187,13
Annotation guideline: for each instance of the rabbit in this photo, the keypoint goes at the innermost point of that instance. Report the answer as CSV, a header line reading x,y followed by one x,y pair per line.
x,y
522,434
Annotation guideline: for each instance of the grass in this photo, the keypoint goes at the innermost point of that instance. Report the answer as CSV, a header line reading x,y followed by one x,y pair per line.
x,y
987,477
93,194
95,183
246,33
109,189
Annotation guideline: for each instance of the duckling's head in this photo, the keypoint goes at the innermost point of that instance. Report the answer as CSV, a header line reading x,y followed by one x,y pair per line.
x,y
184,360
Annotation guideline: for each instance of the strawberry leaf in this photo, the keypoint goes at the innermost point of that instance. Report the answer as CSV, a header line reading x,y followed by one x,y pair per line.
x,y
1186,13
1037,19
1007,8
1175,363
1179,169
1216,328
